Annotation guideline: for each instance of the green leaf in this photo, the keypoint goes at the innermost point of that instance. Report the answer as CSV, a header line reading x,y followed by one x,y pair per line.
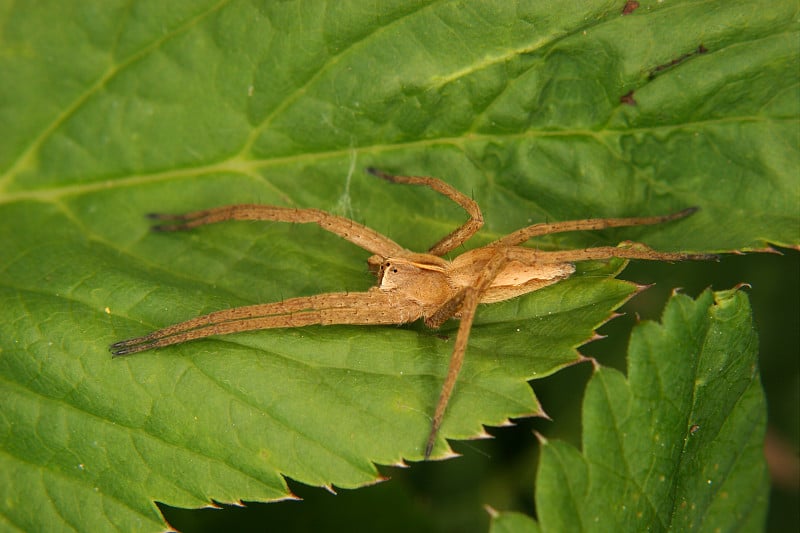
x,y
678,445
111,110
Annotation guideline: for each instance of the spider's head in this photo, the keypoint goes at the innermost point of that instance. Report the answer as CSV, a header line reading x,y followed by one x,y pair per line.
x,y
421,279
396,273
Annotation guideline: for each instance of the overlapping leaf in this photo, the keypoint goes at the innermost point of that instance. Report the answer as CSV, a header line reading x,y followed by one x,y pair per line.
x,y
678,445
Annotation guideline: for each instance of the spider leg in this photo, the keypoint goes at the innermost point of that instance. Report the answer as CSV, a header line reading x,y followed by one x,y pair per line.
x,y
364,308
446,311
459,235
469,297
633,251
358,234
522,235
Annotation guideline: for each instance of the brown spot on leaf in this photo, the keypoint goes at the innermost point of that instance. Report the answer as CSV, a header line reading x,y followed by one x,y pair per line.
x,y
627,98
678,60
630,7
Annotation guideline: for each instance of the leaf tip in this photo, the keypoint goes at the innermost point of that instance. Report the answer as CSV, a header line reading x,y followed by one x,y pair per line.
x,y
290,497
596,337
640,288
449,454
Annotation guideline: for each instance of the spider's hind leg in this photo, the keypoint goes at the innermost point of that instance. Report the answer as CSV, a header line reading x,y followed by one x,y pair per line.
x,y
359,308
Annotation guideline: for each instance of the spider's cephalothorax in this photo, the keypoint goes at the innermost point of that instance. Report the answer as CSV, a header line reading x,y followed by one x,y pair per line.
x,y
410,285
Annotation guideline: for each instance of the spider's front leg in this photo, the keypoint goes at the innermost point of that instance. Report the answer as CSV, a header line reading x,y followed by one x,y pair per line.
x,y
361,308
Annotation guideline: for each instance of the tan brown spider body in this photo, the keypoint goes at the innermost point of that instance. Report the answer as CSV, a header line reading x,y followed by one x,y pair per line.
x,y
410,286
430,281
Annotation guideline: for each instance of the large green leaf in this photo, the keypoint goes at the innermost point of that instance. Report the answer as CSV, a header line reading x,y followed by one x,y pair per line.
x,y
110,111
679,444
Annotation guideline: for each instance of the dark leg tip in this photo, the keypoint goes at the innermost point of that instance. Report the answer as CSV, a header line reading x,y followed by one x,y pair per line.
x,y
686,212
125,347
165,216
169,227
117,352
176,222
379,173
428,450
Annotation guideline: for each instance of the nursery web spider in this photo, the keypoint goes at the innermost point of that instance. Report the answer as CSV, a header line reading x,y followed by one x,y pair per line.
x,y
409,285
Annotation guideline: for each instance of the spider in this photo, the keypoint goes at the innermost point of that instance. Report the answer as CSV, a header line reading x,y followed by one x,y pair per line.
x,y
410,285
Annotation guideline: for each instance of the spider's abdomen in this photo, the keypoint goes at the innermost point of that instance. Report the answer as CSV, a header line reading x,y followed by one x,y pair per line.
x,y
523,272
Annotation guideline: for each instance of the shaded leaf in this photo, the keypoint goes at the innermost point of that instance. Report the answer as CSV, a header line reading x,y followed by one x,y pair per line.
x,y
678,445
